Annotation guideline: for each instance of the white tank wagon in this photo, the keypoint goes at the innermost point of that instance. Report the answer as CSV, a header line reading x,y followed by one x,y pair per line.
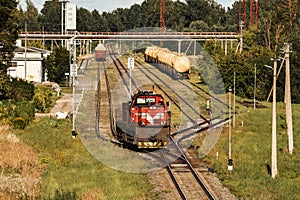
x,y
170,62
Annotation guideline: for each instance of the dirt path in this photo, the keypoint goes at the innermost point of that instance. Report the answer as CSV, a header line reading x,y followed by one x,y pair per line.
x,y
64,104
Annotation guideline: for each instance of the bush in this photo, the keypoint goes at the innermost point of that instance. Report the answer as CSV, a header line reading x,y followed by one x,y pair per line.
x,y
42,100
17,90
23,114
6,110
19,123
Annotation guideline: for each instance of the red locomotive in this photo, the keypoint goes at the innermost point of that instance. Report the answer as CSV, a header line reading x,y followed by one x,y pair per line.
x,y
145,121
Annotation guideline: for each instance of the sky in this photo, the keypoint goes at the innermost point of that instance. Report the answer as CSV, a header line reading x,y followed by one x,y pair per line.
x,y
108,5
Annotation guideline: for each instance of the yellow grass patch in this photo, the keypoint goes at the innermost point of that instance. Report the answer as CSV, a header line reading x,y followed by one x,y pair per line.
x,y
20,171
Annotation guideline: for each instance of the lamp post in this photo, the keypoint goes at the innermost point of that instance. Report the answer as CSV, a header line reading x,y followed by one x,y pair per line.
x,y
274,170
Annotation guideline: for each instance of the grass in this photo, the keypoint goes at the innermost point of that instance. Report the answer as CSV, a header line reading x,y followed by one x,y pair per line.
x,y
251,153
71,172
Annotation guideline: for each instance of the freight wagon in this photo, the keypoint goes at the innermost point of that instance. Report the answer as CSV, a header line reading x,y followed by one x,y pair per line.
x,y
175,65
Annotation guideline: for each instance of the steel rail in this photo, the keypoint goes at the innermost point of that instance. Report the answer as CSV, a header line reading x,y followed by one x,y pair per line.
x,y
199,180
172,175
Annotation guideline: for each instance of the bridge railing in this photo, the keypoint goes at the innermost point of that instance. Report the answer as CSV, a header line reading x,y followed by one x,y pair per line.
x,y
130,35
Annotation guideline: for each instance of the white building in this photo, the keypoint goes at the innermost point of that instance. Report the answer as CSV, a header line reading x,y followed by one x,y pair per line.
x,y
28,64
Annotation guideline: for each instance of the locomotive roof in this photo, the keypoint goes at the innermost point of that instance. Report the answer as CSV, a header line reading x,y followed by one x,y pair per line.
x,y
146,93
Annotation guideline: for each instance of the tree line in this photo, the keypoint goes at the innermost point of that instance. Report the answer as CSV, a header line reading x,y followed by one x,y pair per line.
x,y
278,24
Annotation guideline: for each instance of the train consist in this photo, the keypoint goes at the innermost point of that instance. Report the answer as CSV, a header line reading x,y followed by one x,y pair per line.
x,y
144,122
100,52
170,62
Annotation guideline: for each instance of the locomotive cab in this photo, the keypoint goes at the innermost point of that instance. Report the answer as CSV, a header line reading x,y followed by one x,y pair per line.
x,y
149,109
148,120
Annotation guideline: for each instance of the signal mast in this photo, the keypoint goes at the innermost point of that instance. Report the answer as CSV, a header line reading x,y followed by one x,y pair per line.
x,y
253,13
161,16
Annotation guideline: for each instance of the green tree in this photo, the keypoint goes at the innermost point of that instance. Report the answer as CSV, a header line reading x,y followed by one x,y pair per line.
x,y
84,20
175,15
150,13
198,25
98,22
29,17
9,16
50,17
243,65
57,64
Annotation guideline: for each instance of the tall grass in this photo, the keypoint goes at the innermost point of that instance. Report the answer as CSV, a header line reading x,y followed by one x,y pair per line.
x,y
251,153
71,172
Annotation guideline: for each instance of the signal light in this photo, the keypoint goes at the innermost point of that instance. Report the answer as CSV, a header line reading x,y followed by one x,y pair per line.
x,y
230,164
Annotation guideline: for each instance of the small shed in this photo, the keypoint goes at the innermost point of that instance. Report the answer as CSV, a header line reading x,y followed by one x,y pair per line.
x,y
27,64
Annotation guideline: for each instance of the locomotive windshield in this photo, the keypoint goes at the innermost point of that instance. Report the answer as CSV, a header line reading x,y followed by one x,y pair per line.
x,y
145,101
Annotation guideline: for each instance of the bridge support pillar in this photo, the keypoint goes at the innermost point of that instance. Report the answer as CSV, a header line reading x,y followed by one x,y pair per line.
x,y
179,47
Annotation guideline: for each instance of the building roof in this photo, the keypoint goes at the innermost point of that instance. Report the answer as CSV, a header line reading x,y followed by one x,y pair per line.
x,y
40,54
30,50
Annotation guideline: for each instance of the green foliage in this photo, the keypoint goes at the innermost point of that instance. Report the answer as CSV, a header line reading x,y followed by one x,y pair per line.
x,y
15,89
8,31
42,99
6,110
19,123
243,64
198,25
50,17
57,64
23,113
251,153
30,18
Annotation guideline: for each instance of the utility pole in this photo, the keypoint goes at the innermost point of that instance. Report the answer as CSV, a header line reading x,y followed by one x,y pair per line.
x,y
288,105
25,53
274,142
234,78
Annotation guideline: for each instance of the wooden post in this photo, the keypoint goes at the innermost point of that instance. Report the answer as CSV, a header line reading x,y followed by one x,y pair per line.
x,y
274,145
288,105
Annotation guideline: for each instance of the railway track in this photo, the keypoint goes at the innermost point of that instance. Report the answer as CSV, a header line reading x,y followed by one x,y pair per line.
x,y
181,100
188,181
186,178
